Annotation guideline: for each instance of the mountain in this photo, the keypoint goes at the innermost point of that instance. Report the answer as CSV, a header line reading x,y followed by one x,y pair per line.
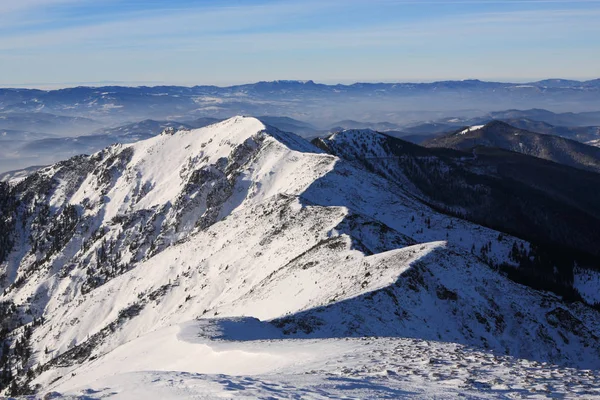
x,y
417,139
288,124
501,135
22,149
376,126
559,83
14,176
542,119
198,255
202,122
429,128
594,143
569,119
143,129
316,103
425,131
547,204
581,134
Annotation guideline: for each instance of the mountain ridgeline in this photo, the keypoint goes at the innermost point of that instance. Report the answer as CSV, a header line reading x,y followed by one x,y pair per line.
x,y
545,203
501,135
358,234
582,134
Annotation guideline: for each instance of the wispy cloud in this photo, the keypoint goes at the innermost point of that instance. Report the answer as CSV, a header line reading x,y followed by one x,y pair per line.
x,y
9,7
319,30
164,23
212,28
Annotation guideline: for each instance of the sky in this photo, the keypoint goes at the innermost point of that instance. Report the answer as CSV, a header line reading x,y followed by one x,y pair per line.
x,y
222,42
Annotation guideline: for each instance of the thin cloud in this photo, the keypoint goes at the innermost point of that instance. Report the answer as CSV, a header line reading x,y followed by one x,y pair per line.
x,y
218,26
213,36
14,6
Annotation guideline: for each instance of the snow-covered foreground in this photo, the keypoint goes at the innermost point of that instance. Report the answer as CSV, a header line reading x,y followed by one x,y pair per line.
x,y
244,358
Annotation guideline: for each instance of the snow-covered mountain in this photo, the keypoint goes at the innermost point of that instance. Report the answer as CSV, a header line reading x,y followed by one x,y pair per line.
x,y
521,195
106,257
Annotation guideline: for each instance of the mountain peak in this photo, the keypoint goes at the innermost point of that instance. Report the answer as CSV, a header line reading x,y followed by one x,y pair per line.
x,y
499,134
241,122
345,133
498,124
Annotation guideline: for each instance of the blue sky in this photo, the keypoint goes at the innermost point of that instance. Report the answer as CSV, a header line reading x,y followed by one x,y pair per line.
x,y
65,42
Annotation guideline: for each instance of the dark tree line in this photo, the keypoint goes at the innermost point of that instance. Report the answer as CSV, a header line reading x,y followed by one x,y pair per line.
x,y
8,208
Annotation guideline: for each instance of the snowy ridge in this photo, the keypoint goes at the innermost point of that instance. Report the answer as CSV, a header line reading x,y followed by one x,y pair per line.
x,y
595,142
354,144
471,129
240,219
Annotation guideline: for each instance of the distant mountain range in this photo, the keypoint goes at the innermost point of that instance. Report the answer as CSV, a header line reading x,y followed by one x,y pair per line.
x,y
319,104
46,123
557,119
583,127
43,127
351,124
21,149
579,133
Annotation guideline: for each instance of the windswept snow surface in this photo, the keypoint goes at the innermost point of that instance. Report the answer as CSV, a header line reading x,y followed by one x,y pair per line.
x,y
244,358
157,239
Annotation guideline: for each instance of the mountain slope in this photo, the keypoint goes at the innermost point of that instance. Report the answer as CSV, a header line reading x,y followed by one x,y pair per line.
x,y
287,124
241,219
543,202
501,135
581,134
143,129
557,119
313,102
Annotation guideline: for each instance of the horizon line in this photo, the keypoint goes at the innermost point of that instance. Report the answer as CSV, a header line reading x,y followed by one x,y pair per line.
x,y
50,86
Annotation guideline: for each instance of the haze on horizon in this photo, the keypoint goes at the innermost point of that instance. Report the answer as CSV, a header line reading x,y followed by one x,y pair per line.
x,y
66,42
